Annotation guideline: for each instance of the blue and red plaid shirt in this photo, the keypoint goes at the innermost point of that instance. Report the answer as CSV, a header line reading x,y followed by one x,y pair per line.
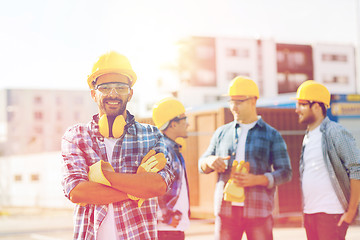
x,y
82,146
267,154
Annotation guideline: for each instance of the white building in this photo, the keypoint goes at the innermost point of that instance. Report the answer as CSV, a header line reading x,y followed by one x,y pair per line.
x,y
34,120
32,181
334,66
209,64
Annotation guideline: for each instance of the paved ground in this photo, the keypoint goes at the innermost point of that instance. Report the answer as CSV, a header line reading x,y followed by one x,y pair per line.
x,y
40,224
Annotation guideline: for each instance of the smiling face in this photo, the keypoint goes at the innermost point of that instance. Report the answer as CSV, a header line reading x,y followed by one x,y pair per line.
x,y
112,103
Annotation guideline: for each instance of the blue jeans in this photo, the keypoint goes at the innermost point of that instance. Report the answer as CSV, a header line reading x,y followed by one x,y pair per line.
x,y
230,228
322,226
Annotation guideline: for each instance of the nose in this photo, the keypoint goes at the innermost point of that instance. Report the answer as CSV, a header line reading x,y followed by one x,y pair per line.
x,y
113,92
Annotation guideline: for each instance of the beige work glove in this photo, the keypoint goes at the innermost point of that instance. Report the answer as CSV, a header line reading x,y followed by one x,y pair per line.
x,y
96,174
232,192
150,163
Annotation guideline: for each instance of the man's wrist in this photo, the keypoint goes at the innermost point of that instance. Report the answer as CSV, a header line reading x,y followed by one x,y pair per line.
x,y
269,180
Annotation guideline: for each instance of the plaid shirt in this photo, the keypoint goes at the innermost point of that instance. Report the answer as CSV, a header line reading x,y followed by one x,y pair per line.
x,y
265,150
82,146
169,199
342,159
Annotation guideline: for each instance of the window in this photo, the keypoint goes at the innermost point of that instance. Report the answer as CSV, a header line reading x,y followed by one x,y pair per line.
x,y
233,52
296,59
328,57
38,115
17,178
37,100
38,129
34,177
336,79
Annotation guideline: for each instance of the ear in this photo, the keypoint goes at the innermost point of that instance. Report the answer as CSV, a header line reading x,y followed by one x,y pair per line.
x,y
173,124
130,94
93,94
253,100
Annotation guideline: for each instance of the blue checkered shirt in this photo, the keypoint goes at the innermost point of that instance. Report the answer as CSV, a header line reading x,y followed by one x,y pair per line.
x,y
82,146
267,154
342,159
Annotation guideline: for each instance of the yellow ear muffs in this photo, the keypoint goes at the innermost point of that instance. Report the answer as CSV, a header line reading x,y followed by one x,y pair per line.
x,y
118,126
104,126
110,127
182,142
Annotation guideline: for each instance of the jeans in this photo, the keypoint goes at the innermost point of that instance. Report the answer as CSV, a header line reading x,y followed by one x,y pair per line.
x,y
173,235
322,226
231,228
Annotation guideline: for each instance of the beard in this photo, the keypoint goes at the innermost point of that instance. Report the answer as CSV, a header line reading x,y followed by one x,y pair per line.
x,y
114,110
308,119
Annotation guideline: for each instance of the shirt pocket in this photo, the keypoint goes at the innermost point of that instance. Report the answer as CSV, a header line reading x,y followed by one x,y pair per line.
x,y
260,161
130,163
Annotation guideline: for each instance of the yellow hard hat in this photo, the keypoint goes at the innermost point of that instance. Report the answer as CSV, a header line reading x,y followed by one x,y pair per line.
x,y
111,62
313,91
242,86
165,110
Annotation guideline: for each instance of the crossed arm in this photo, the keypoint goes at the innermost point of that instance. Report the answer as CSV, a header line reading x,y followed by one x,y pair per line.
x,y
121,184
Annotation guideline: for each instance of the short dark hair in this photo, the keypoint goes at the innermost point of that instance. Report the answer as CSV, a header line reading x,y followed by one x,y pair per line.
x,y
322,105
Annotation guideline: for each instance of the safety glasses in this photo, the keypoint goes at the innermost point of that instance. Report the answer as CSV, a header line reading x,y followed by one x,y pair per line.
x,y
236,102
120,88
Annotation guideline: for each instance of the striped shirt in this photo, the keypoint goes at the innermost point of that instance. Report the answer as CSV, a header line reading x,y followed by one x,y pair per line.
x,y
82,146
267,154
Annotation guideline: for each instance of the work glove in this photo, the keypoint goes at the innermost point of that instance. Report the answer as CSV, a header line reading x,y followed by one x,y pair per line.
x,y
152,162
232,192
96,174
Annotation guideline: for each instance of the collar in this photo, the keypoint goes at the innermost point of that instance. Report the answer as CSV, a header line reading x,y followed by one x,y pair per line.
x,y
324,123
172,143
260,122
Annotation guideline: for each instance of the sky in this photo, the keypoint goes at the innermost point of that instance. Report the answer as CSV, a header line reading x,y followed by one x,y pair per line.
x,y
53,44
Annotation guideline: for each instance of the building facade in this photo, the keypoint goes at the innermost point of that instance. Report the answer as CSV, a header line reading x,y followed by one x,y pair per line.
x,y
207,65
34,120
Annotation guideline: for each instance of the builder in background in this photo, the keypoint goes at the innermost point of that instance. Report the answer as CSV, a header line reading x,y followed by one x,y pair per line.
x,y
250,139
329,167
174,208
106,168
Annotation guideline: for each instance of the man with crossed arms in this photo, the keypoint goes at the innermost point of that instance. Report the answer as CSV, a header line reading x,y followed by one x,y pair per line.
x,y
104,162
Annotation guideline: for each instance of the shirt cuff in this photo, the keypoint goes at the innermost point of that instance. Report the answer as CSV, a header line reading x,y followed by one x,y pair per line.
x,y
270,177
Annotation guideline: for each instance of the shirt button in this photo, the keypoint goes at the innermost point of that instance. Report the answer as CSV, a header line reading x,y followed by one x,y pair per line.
x,y
136,162
233,154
